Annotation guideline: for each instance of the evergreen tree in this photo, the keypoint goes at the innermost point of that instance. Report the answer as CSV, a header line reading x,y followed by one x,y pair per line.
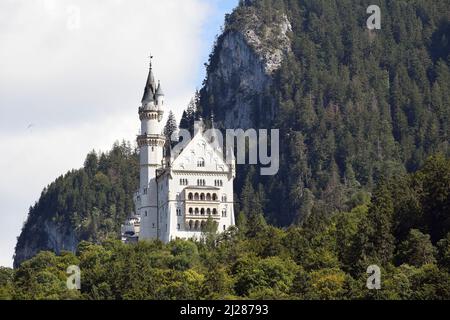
x,y
170,127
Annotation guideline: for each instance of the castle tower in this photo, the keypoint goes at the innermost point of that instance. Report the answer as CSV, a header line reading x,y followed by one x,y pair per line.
x,y
151,144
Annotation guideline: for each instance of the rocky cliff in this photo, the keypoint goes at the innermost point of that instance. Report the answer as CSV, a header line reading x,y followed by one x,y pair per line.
x,y
353,105
242,66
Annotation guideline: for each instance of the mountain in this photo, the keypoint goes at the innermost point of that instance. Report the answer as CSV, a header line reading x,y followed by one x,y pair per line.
x,y
353,105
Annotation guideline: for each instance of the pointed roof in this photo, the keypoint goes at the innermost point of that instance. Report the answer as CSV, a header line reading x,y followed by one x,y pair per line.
x,y
159,91
150,87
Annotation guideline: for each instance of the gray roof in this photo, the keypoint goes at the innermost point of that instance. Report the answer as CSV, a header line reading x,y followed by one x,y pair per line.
x,y
159,91
150,89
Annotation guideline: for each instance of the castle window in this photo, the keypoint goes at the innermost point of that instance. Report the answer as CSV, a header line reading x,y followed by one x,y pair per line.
x,y
191,211
208,211
224,228
208,197
201,163
196,196
224,213
224,198
214,211
196,211
202,196
214,197
145,213
178,212
201,182
202,212
190,196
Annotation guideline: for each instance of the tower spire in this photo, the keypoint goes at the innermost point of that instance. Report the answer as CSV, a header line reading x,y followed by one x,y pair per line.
x,y
150,58
150,87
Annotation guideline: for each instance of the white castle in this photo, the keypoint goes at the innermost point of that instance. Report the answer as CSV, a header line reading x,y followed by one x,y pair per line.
x,y
178,193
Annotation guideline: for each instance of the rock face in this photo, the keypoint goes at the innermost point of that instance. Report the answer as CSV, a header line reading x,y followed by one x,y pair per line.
x,y
50,236
241,70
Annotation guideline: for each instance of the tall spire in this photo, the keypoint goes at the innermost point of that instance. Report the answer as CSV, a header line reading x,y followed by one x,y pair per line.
x,y
150,87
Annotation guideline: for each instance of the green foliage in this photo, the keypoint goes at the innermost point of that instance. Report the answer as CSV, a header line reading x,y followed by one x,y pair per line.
x,y
417,250
324,258
352,105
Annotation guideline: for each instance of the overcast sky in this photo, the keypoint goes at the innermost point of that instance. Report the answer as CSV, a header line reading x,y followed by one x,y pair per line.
x,y
72,74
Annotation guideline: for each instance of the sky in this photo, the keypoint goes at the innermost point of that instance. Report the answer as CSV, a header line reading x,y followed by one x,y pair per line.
x,y
72,74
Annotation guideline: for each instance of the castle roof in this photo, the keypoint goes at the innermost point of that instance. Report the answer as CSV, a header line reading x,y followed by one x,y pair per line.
x,y
150,88
159,91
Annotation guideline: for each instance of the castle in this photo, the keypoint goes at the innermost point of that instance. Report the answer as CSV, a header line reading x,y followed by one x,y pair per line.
x,y
179,192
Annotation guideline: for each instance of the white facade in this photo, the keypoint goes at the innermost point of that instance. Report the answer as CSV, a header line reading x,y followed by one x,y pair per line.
x,y
178,194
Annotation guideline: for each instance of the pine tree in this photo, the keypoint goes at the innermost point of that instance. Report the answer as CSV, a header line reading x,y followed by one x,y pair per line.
x,y
170,128
380,225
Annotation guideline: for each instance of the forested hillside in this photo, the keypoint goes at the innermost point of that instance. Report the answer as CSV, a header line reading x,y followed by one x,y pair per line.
x,y
359,114
86,204
353,105
405,229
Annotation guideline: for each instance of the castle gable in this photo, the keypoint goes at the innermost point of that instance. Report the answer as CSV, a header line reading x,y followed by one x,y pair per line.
x,y
200,155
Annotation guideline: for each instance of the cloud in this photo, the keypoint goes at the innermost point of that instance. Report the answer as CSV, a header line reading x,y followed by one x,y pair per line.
x,y
72,75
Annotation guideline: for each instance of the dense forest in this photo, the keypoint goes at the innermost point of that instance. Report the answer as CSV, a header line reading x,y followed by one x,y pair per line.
x,y
364,177
353,105
404,228
86,204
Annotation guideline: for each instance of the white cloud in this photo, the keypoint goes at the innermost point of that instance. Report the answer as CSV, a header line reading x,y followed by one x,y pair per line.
x,y
72,83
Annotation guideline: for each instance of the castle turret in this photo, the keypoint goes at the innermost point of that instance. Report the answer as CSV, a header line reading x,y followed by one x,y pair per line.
x,y
151,144
159,96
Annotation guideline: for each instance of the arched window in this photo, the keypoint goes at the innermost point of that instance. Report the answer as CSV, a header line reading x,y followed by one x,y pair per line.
x,y
214,211
208,211
224,198
196,196
208,197
202,211
214,197
196,211
224,212
191,224
196,224
202,196
191,211
190,196
203,224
